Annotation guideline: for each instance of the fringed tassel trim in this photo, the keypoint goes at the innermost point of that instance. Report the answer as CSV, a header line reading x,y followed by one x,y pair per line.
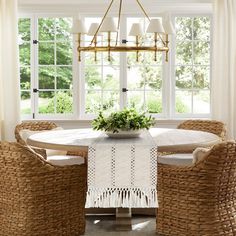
x,y
121,197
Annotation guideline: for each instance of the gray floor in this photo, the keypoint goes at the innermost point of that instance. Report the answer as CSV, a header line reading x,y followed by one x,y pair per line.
x,y
105,225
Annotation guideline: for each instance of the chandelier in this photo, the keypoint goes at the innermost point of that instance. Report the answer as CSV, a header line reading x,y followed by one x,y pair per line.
x,y
160,32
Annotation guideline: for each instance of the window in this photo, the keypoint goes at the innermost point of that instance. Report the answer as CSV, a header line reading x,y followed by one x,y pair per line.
x,y
192,65
101,78
53,85
25,65
46,66
123,81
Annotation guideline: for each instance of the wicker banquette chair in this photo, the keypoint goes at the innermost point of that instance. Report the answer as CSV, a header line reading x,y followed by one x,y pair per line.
x,y
38,198
200,199
211,126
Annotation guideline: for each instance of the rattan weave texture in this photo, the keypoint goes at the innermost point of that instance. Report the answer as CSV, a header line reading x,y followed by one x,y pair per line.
x,y
33,126
199,200
211,126
37,198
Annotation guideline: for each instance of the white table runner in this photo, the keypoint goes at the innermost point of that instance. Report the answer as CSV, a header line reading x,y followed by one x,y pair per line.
x,y
122,172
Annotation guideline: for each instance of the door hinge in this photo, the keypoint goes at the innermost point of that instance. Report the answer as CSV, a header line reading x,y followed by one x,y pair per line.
x,y
35,90
33,115
124,90
35,41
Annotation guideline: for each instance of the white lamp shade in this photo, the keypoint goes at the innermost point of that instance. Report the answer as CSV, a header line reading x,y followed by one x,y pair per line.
x,y
79,27
136,30
108,25
93,29
155,26
169,28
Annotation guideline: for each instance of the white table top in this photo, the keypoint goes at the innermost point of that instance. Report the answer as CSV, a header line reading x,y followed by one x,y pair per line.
x,y
166,139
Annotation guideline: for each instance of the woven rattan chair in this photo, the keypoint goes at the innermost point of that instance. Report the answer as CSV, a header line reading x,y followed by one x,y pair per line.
x,y
38,198
33,126
200,199
41,126
211,126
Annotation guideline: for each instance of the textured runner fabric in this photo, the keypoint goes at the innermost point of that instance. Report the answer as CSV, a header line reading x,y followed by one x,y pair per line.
x,y
122,172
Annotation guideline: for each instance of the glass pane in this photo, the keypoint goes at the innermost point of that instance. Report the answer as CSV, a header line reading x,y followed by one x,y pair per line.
x,y
111,78
184,76
63,27
183,27
154,102
46,29
46,53
201,28
136,100
25,103
90,58
149,58
64,53
110,101
201,77
93,77
25,54
46,77
184,53
152,77
201,53
64,77
64,102
201,102
46,102
24,28
93,102
131,59
115,59
183,101
25,78
134,77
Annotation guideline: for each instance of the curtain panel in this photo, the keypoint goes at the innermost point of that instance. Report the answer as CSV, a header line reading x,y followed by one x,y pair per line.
x,y
9,70
224,64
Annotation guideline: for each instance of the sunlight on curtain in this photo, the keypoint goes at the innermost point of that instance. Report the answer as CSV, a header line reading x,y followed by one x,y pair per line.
x,y
224,64
9,70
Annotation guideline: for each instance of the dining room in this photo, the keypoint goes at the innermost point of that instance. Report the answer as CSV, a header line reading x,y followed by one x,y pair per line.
x,y
117,117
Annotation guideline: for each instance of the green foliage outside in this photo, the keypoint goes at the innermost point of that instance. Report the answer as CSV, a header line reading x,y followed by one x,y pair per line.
x,y
127,119
55,63
64,104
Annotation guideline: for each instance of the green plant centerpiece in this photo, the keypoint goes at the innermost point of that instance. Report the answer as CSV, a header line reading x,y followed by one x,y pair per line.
x,y
123,124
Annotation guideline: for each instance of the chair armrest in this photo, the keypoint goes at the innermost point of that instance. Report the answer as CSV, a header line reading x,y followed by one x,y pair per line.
x,y
41,152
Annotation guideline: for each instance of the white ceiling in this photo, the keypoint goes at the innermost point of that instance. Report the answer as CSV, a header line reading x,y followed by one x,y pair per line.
x,y
98,2
96,6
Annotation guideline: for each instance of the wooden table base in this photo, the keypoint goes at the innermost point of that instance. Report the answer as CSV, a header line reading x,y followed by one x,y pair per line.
x,y
123,219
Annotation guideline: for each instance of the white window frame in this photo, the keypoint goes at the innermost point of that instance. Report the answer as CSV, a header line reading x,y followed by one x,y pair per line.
x,y
35,66
123,73
168,86
173,114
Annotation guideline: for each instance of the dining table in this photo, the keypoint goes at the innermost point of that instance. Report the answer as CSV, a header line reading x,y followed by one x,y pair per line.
x,y
167,140
122,173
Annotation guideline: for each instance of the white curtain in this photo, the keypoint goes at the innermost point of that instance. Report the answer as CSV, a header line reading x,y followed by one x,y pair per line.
x,y
224,64
9,70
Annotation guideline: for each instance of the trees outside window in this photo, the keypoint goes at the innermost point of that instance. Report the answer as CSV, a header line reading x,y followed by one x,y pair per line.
x,y
192,65
46,66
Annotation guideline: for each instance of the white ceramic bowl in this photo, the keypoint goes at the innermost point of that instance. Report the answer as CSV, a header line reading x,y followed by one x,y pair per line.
x,y
125,133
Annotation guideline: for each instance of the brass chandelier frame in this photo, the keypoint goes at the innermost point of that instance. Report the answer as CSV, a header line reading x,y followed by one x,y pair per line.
x,y
93,47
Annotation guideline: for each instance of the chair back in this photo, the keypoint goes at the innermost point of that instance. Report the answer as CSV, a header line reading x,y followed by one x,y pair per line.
x,y
33,126
212,126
